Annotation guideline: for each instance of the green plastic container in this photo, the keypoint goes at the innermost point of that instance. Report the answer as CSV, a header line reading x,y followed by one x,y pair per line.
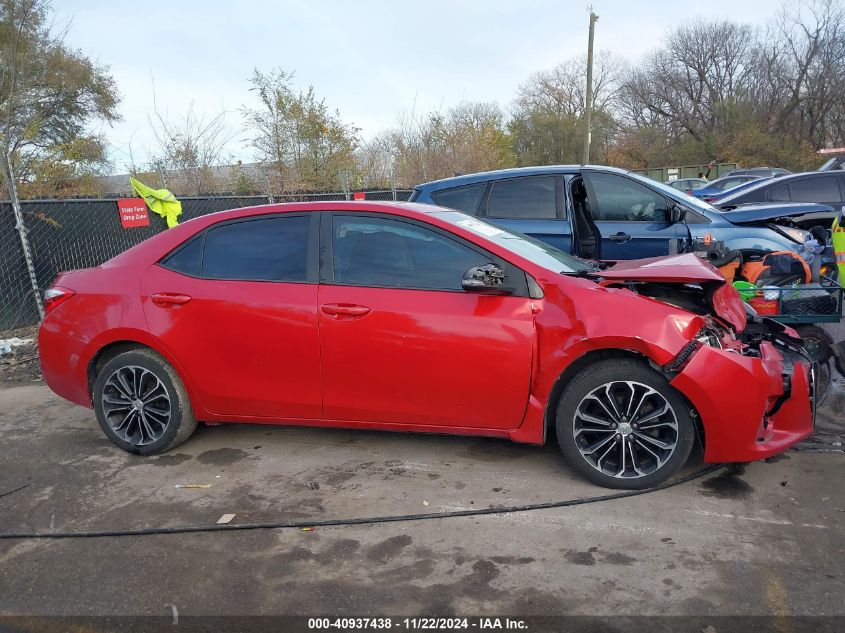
x,y
746,289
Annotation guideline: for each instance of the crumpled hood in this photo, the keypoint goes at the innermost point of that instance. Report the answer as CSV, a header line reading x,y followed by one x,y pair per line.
x,y
747,213
686,268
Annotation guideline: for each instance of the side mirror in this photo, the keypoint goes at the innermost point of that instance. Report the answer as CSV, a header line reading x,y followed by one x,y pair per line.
x,y
488,278
676,213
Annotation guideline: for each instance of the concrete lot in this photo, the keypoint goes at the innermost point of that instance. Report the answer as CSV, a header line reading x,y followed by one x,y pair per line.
x,y
768,542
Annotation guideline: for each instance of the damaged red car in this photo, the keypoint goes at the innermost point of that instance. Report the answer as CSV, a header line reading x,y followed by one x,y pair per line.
x,y
408,317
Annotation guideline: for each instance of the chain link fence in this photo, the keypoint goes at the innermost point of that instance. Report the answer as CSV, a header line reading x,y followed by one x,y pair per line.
x,y
70,234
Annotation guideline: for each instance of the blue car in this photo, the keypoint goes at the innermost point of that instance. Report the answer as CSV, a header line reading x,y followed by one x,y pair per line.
x,y
824,187
606,213
721,186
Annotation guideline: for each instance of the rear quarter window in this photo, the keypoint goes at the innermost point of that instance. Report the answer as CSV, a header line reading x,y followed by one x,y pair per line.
x,y
187,259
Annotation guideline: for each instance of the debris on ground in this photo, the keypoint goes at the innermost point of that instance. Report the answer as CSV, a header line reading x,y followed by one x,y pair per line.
x,y
191,486
6,344
226,518
19,356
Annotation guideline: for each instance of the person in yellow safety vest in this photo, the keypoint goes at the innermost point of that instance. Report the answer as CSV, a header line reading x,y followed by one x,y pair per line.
x,y
838,237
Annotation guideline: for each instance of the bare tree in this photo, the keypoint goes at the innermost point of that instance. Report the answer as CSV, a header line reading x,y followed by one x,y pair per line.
x,y
468,137
191,148
546,125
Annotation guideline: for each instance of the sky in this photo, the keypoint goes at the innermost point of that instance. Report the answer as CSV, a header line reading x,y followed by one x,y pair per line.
x,y
372,60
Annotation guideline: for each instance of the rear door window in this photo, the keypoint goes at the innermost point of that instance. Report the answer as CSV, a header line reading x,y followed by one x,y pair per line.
x,y
267,249
523,198
464,199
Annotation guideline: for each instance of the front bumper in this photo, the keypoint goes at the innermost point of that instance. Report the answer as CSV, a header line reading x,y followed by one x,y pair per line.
x,y
750,407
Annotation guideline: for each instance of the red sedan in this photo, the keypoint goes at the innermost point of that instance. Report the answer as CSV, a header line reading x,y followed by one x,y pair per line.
x,y
409,317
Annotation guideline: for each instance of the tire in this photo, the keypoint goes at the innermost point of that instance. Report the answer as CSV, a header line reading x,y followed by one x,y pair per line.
x,y
817,342
585,420
159,420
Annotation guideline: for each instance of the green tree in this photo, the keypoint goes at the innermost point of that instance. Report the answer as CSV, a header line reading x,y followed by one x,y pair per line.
x,y
303,142
50,94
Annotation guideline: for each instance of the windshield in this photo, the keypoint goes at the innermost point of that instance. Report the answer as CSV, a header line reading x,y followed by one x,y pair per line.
x,y
676,194
833,163
533,250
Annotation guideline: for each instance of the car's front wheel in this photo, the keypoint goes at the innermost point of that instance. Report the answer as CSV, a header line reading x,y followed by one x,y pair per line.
x,y
141,404
622,425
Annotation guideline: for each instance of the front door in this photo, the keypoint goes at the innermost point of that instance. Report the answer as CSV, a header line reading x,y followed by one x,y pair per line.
x,y
402,342
237,307
633,220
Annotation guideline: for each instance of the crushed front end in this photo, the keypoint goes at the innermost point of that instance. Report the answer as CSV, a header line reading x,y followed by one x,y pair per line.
x,y
754,392
747,378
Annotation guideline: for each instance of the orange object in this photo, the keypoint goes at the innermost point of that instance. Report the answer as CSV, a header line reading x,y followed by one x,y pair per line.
x,y
751,271
728,271
764,306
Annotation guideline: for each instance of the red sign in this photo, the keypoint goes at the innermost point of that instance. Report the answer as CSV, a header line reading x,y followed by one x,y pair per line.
x,y
133,212
359,195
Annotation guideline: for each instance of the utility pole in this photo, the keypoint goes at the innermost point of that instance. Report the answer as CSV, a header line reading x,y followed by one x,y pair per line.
x,y
588,107
161,175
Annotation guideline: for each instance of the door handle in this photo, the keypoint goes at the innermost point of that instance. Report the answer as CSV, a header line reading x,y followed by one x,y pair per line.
x,y
169,299
620,237
338,310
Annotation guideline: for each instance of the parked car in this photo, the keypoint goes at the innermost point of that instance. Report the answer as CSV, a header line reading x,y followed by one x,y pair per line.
x,y
687,185
408,317
714,198
607,213
824,187
721,186
762,172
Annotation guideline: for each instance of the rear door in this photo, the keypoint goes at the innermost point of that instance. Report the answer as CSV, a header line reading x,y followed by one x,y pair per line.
x,y
237,307
632,219
534,205
401,342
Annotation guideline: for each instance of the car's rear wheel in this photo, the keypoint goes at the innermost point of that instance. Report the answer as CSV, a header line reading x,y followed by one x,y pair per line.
x,y
141,404
622,425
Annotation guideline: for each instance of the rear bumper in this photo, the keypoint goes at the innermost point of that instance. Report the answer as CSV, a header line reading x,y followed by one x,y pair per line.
x,y
63,364
751,408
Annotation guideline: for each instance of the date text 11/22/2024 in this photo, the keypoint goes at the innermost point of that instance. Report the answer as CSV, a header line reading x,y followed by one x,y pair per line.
x,y
419,623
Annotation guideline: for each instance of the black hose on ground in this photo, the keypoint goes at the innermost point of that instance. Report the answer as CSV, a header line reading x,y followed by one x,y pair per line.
x,y
190,529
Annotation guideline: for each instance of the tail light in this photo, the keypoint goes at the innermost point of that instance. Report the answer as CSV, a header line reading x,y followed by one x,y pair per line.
x,y
55,296
711,199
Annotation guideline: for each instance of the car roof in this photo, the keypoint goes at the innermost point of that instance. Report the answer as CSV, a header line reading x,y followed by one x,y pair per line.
x,y
153,247
514,172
